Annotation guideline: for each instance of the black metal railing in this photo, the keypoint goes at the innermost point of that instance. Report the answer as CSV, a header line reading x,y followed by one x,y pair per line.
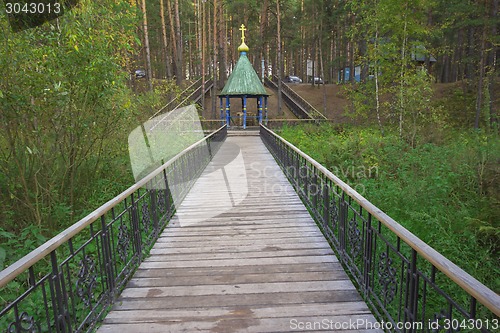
x,y
69,283
298,105
191,94
409,286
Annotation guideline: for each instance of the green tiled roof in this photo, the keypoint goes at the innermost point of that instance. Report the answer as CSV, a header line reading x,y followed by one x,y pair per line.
x,y
243,80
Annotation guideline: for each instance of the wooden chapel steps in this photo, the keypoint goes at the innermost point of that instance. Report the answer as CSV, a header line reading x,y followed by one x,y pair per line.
x,y
242,254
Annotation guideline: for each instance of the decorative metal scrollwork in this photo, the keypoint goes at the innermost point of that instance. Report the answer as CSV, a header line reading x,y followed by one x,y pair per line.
x,y
26,323
86,282
146,216
160,202
354,237
123,242
334,214
387,277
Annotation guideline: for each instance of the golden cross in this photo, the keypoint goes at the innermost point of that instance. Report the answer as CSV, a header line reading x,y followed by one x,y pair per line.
x,y
242,29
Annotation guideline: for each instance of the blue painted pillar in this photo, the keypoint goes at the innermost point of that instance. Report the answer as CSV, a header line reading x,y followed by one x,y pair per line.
x,y
221,110
244,102
228,111
259,108
265,108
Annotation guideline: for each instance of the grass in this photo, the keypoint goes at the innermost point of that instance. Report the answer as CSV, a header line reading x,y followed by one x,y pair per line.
x,y
445,193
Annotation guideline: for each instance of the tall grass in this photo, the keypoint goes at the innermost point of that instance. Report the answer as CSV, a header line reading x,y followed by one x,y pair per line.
x,y
447,194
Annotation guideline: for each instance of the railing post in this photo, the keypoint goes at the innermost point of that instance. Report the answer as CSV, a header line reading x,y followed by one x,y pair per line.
x,y
209,146
326,206
136,232
61,315
367,259
313,189
342,225
167,194
107,258
412,299
306,183
153,196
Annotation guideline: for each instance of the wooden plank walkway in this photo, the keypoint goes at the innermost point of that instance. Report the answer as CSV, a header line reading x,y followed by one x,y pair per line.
x,y
241,255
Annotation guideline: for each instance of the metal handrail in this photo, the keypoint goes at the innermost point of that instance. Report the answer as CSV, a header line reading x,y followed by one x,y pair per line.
x,y
289,156
295,98
77,274
11,272
301,101
189,92
299,111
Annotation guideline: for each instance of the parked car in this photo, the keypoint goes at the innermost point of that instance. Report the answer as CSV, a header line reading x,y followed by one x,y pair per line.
x,y
140,73
293,79
318,80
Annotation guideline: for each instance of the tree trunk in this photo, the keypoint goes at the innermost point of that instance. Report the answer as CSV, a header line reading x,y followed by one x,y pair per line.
x,y
479,98
168,66
364,62
278,14
215,54
321,68
222,48
469,71
263,27
146,45
178,71
203,52
377,89
492,61
402,77
427,55
352,72
174,38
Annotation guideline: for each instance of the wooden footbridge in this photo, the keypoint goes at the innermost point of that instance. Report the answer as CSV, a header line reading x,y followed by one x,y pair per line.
x,y
250,259
257,238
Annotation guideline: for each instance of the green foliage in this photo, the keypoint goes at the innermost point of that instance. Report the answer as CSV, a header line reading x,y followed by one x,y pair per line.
x,y
66,111
458,103
446,194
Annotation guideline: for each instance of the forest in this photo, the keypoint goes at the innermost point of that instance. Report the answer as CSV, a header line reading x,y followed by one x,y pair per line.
x,y
69,97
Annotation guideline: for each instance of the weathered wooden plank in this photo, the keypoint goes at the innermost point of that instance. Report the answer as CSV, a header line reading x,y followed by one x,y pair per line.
x,y
238,221
255,218
231,231
277,269
262,311
162,250
255,262
241,262
270,253
270,242
241,289
244,236
242,320
275,299
263,277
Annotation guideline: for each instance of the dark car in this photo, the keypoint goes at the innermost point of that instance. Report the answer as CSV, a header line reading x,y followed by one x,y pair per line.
x,y
318,80
293,79
140,73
